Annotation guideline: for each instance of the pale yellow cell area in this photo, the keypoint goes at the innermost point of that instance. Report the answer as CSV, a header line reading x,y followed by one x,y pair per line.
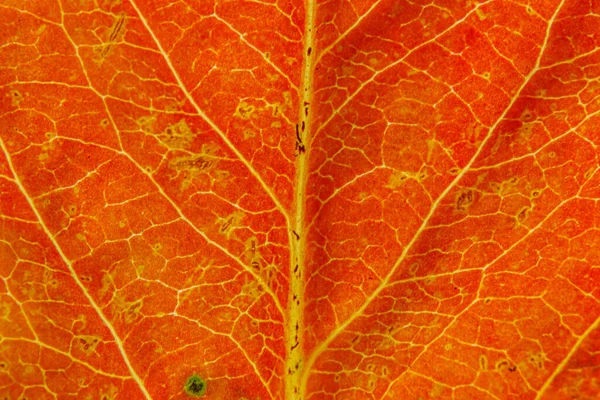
x,y
398,178
109,392
248,133
464,199
474,131
503,364
16,97
347,70
437,390
146,123
197,164
273,77
483,362
112,36
177,135
526,115
221,175
71,210
522,215
480,14
87,343
129,311
230,223
107,285
537,361
268,273
5,309
139,268
244,110
252,252
49,279
278,109
41,29
413,71
430,146
251,288
290,60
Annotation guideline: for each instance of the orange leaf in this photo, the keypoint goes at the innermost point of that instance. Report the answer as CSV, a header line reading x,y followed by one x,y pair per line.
x,y
299,200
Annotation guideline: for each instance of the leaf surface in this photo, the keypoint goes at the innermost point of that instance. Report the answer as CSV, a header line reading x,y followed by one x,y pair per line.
x,y
299,200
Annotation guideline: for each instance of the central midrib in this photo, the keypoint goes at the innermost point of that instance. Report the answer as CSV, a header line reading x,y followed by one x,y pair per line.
x,y
295,324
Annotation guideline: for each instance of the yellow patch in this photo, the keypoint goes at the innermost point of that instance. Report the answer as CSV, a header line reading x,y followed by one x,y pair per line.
x,y
244,110
229,224
177,135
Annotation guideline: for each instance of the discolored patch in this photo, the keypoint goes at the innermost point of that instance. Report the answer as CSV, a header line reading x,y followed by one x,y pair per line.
x,y
16,97
114,35
88,344
197,164
244,110
464,200
230,223
128,310
195,386
177,135
146,123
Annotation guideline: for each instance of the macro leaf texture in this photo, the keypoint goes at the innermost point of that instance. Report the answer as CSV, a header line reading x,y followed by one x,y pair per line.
x,y
299,200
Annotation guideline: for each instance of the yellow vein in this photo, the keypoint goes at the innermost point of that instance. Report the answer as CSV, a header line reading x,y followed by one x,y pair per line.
x,y
202,114
254,48
365,83
348,31
67,355
565,361
180,213
95,306
331,337
295,362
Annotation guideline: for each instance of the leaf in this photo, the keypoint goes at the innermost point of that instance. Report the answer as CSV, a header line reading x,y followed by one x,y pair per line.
x,y
286,200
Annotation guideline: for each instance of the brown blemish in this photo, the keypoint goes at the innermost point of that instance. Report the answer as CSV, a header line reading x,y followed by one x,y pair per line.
x,y
117,32
16,97
523,214
88,344
197,164
230,223
71,210
464,200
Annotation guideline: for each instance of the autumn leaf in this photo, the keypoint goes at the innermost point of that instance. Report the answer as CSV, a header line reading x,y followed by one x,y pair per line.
x,y
380,199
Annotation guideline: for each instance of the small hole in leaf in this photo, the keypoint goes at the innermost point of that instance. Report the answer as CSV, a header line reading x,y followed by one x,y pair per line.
x,y
195,386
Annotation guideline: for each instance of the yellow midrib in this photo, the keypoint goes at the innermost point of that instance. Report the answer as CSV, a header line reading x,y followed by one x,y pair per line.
x,y
294,365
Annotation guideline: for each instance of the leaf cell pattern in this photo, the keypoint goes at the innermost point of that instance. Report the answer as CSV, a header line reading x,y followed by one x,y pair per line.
x,y
277,199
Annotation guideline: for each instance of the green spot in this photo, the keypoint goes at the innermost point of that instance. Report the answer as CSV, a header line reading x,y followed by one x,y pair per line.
x,y
195,386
